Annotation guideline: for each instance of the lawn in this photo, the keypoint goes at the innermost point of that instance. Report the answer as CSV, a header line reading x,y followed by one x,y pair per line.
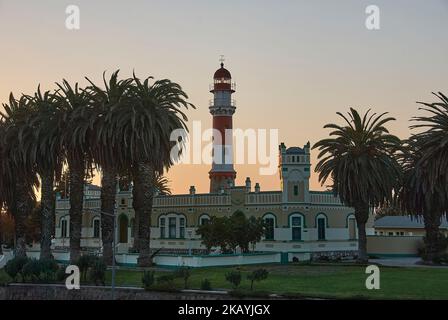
x,y
327,281
320,280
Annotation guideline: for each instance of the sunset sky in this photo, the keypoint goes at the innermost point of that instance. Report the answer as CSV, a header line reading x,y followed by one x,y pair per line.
x,y
296,63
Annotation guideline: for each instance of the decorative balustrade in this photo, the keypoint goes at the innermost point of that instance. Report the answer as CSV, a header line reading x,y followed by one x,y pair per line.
x,y
324,198
264,198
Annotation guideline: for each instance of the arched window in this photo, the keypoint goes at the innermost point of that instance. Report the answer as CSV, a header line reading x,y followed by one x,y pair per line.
x,y
181,227
64,227
162,226
269,220
296,223
204,219
96,228
321,225
172,227
351,225
132,227
123,224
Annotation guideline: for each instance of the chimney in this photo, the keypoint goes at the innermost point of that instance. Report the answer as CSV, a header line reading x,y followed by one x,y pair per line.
x,y
257,187
248,185
192,190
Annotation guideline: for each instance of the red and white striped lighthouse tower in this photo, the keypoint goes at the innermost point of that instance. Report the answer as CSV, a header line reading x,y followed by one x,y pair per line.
x,y
222,175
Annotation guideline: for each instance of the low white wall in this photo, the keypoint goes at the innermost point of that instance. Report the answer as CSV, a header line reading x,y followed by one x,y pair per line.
x,y
204,261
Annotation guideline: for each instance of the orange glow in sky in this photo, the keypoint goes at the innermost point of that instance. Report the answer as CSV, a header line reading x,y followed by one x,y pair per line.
x,y
296,63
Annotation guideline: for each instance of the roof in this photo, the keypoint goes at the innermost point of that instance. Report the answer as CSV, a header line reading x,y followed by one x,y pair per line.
x,y
93,187
295,150
222,73
404,222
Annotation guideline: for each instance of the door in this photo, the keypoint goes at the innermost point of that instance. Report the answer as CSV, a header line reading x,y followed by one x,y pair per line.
x,y
123,229
352,228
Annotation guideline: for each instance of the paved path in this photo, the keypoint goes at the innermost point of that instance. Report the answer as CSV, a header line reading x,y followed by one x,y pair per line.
x,y
403,262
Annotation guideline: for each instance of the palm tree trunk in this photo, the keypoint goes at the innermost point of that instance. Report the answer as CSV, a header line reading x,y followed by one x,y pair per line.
x,y
362,215
137,204
108,197
1,234
77,179
145,187
432,237
47,214
21,211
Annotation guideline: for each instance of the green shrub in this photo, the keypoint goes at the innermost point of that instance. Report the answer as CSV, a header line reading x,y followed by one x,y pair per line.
x,y
206,285
166,283
4,278
84,263
257,275
60,274
148,279
31,270
49,268
14,266
98,271
184,273
234,277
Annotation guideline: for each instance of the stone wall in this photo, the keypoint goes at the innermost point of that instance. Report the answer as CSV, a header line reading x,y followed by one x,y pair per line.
x,y
60,292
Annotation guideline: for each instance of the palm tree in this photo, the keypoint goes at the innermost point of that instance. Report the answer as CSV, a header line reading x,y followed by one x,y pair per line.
x,y
425,191
17,134
144,127
106,151
161,185
359,157
77,106
46,152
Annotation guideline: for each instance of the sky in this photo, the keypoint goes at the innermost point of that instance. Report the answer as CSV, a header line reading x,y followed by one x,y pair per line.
x,y
296,63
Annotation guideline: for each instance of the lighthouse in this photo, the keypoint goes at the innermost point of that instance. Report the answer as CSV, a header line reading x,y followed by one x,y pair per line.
x,y
222,107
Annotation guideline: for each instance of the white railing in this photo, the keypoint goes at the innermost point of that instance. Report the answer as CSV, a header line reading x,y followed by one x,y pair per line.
x,y
324,198
264,198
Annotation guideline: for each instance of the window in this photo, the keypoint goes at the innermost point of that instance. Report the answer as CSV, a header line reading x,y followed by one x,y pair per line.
x,y
321,228
204,221
172,227
96,228
296,190
123,201
182,227
132,227
351,228
269,228
64,228
162,228
296,226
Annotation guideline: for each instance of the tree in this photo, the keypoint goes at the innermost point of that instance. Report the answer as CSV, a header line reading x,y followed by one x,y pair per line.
x,y
425,188
228,233
22,178
106,151
45,151
144,127
360,159
161,185
6,229
216,233
78,127
257,275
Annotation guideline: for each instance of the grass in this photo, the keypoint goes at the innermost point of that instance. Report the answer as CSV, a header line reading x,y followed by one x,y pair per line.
x,y
326,281
329,281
